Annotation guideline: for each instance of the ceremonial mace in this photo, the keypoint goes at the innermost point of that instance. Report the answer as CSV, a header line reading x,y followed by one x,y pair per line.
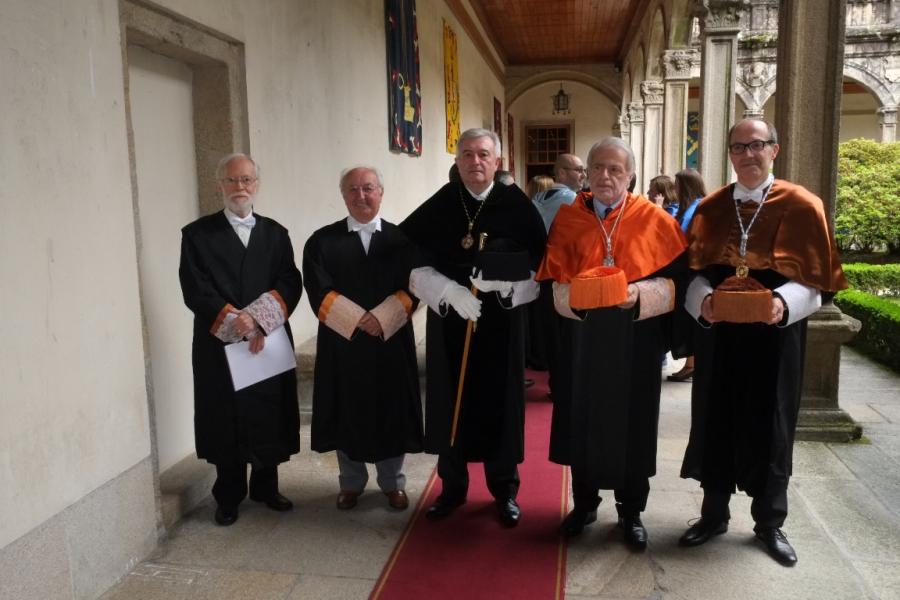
x,y
470,327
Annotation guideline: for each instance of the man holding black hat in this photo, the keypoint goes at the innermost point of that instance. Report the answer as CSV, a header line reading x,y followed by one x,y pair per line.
x,y
491,415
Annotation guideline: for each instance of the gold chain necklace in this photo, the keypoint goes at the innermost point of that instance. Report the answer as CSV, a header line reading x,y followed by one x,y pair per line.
x,y
468,240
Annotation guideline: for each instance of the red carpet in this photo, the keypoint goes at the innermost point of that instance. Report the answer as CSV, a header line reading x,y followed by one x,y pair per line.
x,y
470,554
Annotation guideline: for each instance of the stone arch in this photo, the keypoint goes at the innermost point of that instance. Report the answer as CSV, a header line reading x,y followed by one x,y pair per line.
x,y
604,87
680,23
626,87
872,82
755,84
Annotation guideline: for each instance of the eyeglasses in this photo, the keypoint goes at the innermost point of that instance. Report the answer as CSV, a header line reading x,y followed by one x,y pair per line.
x,y
755,146
577,169
245,179
366,189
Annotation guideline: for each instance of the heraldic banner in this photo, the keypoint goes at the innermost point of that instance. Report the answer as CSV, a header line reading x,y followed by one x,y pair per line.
x,y
404,90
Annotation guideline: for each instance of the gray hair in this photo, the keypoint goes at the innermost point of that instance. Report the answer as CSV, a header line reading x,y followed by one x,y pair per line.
x,y
346,172
478,132
773,133
613,142
223,164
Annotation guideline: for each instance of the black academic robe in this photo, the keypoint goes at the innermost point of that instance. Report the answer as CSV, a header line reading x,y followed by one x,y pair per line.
x,y
366,393
492,414
606,391
745,399
259,424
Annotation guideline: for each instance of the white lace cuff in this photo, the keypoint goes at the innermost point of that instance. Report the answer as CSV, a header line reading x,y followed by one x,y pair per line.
x,y
393,313
268,311
561,301
222,326
340,314
657,297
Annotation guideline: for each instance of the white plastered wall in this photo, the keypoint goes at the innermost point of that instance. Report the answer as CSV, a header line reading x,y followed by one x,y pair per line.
x,y
73,399
74,406
317,102
592,116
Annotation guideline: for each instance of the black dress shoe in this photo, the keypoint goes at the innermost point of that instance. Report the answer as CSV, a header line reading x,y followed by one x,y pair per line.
x,y
635,532
575,522
701,531
777,545
509,510
443,507
226,516
275,502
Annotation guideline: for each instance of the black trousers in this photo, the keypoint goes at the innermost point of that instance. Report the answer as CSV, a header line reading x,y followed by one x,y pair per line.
x,y
768,510
502,477
631,497
230,487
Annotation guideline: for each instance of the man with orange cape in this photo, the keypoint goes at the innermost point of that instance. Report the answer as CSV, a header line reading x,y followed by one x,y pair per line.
x,y
749,375
606,404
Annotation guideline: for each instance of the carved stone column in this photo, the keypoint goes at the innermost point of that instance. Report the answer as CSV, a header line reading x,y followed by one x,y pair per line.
x,y
888,121
807,115
625,126
677,66
719,28
652,93
636,140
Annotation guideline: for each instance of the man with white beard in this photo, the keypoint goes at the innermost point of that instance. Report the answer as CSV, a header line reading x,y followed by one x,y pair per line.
x,y
239,279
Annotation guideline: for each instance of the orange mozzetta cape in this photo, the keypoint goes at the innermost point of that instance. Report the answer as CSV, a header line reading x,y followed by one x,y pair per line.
x,y
790,236
646,240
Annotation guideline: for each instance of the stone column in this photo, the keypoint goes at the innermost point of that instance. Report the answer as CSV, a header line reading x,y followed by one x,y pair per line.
x,y
807,115
652,93
753,113
677,72
636,140
888,121
625,125
719,28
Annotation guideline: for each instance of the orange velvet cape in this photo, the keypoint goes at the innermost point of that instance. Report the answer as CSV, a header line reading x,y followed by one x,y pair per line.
x,y
790,236
646,240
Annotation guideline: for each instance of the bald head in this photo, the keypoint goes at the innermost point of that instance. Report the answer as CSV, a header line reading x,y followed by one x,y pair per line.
x,y
569,171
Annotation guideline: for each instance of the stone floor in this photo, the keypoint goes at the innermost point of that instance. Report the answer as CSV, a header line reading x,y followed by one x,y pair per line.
x,y
844,523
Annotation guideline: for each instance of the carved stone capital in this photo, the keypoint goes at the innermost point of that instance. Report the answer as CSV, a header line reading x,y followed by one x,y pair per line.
x,y
888,115
635,112
652,91
678,64
720,16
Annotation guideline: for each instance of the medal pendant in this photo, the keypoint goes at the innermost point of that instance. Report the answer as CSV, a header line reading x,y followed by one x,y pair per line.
x,y
467,241
742,270
609,261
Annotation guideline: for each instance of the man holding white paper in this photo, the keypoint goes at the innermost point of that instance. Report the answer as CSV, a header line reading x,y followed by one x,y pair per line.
x,y
239,279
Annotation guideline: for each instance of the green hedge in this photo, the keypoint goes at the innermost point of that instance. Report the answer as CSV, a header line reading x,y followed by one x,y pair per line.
x,y
868,196
880,334
881,280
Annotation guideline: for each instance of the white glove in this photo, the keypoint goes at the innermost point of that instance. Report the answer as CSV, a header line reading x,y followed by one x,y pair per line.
x,y
463,302
491,285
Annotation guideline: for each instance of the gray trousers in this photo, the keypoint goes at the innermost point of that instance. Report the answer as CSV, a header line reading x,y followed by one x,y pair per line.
x,y
354,474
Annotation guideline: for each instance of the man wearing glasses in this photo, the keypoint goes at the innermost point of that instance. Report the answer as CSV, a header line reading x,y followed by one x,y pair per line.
x,y
773,235
239,279
569,177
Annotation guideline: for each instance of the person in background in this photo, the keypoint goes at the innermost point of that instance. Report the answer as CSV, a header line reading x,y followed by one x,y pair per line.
x,y
538,183
661,192
690,190
504,177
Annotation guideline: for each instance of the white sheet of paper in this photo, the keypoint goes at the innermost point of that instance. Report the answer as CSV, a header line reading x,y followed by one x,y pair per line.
x,y
277,356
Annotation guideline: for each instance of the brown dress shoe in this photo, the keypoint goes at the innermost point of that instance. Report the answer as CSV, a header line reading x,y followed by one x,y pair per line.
x,y
397,499
347,500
